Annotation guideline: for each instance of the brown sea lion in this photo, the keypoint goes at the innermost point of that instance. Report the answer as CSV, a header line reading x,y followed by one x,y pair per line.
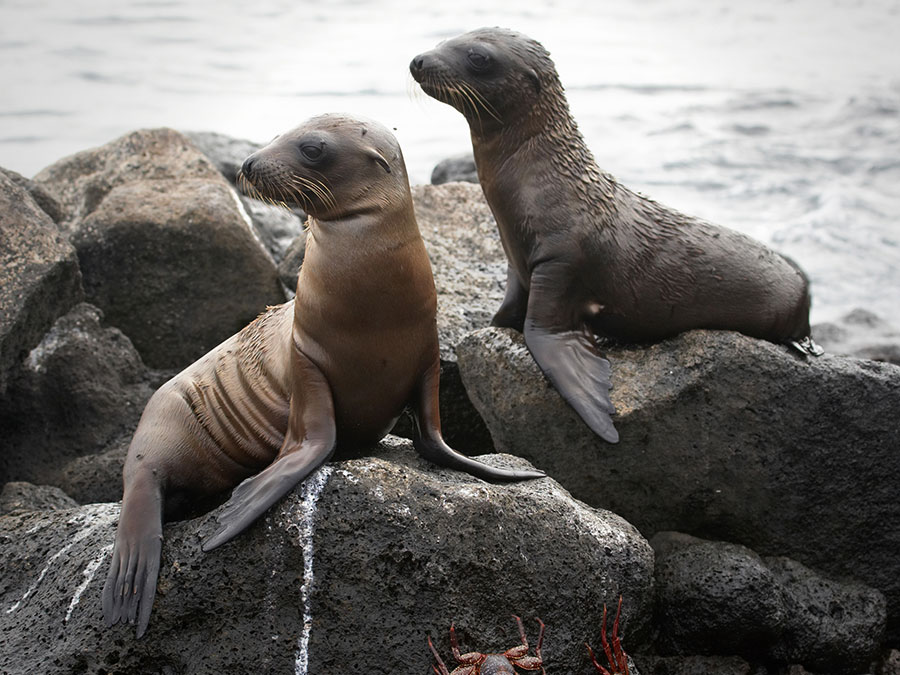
x,y
333,368
587,256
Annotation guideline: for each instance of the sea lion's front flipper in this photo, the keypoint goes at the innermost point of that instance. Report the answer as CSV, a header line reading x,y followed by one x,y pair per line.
x,y
430,444
134,567
308,443
568,354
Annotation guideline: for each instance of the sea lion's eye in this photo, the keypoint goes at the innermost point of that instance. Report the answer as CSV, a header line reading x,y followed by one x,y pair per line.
x,y
478,60
312,152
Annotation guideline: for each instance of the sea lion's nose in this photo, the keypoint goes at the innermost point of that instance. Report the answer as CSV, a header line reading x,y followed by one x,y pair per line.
x,y
416,65
247,166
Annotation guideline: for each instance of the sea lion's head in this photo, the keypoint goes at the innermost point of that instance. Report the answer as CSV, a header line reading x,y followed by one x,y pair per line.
x,y
332,165
494,76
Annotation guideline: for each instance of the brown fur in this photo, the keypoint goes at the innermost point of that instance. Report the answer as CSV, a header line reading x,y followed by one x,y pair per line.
x,y
334,367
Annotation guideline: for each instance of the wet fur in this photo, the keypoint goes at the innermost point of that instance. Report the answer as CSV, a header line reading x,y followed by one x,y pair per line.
x,y
587,256
334,367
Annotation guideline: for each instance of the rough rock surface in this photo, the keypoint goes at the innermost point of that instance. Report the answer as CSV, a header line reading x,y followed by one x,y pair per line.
x,y
371,555
692,665
460,168
20,497
862,334
466,257
276,226
39,275
82,387
720,598
164,245
41,197
717,598
96,477
289,267
830,626
722,436
890,664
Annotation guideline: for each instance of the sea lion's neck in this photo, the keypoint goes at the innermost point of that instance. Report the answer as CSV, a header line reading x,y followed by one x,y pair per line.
x,y
548,128
378,222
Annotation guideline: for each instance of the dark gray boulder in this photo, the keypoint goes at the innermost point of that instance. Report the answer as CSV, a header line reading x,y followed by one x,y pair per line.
x,y
717,598
862,334
95,477
21,497
720,598
82,387
460,168
350,572
39,275
166,249
289,267
693,665
276,226
466,257
41,197
831,626
722,436
225,152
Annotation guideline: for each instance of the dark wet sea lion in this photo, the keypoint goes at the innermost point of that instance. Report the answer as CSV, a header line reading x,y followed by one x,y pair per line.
x,y
587,256
333,368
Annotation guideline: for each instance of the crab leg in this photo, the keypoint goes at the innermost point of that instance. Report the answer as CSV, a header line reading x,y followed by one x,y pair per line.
x,y
440,668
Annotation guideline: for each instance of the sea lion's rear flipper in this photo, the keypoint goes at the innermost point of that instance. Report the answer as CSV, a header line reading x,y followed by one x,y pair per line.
x,y
568,354
806,347
134,566
430,444
308,443
511,313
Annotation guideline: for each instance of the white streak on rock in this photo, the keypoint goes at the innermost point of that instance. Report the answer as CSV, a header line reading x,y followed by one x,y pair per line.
x,y
89,571
248,221
303,519
93,522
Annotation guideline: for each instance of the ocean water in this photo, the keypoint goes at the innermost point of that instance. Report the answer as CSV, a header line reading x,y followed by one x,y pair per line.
x,y
780,118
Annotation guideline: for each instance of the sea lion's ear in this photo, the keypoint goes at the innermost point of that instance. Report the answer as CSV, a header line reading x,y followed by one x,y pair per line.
x,y
535,80
378,157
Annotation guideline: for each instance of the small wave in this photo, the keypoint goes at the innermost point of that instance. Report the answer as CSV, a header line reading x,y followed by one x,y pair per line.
x,y
674,129
119,20
36,112
641,88
751,129
763,100
106,78
23,139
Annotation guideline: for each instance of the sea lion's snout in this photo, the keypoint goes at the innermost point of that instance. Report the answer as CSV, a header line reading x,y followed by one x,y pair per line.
x,y
247,167
417,66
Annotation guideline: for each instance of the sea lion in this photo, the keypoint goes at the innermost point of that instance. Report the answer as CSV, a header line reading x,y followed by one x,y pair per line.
x,y
333,368
587,256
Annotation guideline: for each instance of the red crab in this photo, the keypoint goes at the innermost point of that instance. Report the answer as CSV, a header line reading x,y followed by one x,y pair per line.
x,y
476,663
616,656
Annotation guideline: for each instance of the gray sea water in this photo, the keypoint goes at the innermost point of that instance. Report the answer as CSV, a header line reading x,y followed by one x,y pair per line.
x,y
780,118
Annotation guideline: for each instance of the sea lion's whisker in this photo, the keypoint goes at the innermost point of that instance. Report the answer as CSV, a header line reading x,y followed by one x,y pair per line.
x,y
301,182
489,109
323,190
